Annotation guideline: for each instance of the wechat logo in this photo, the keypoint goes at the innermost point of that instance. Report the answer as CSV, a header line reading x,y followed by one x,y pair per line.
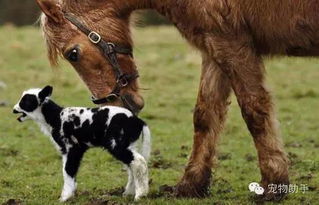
x,y
254,187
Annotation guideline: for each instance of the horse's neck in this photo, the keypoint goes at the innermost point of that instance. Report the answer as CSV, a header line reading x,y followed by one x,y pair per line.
x,y
189,16
192,19
169,8
174,10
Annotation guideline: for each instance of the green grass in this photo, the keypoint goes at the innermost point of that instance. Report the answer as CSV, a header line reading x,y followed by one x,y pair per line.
x,y
30,167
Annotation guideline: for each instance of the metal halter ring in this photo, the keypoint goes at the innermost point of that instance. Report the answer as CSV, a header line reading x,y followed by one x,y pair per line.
x,y
111,47
108,99
94,37
122,81
111,97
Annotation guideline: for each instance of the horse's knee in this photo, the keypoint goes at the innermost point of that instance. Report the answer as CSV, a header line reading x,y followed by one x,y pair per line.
x,y
201,119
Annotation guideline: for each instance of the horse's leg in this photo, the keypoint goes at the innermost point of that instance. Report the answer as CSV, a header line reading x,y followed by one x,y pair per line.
x,y
258,112
246,73
209,116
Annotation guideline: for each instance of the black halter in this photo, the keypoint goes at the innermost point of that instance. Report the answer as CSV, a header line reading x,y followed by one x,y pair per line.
x,y
110,51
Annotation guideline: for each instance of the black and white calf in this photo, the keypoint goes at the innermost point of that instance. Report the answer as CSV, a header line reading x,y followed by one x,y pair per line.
x,y
75,129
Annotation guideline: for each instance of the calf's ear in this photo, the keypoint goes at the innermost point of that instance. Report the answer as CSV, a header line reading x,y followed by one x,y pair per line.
x,y
52,9
45,92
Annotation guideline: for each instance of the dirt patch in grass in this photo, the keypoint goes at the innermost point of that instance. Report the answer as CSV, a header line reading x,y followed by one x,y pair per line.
x,y
306,177
185,147
249,157
182,155
98,202
293,157
293,144
8,152
104,194
13,202
164,190
158,161
224,156
306,94
223,186
4,103
102,202
112,192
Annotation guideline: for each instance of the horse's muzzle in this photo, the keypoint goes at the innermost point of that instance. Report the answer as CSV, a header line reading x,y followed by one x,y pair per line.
x,y
134,104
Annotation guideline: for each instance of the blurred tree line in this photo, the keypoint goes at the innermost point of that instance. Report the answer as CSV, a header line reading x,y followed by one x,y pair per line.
x,y
26,12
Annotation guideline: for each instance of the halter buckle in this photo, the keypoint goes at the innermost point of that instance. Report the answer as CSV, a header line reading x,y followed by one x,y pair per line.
x,y
94,37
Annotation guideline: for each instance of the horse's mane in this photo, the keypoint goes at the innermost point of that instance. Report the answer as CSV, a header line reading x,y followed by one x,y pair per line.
x,y
52,41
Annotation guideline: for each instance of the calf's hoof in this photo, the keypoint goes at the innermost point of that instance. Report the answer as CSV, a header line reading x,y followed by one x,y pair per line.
x,y
65,196
128,193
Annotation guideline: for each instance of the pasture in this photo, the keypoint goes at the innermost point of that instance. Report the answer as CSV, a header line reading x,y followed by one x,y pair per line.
x,y
30,167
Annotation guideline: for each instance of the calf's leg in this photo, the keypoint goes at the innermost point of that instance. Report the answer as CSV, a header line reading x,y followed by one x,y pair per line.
x,y
130,186
139,171
137,168
71,163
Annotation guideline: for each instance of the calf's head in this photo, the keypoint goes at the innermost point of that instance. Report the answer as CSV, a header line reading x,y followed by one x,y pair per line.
x,y
30,103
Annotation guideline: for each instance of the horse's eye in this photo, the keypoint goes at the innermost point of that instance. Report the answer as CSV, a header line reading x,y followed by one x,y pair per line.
x,y
73,55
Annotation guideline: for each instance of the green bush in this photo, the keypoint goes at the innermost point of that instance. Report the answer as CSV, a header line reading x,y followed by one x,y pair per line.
x,y
18,12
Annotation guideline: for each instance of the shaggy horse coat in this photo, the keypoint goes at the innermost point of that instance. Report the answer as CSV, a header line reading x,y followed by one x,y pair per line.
x,y
232,36
75,129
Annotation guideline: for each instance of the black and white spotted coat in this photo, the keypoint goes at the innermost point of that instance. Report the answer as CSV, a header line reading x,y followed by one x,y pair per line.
x,y
74,130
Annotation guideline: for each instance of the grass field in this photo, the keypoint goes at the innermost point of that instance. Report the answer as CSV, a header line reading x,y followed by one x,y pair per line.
x,y
30,167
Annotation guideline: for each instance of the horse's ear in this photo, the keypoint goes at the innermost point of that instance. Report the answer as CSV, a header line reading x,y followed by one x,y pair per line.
x,y
52,10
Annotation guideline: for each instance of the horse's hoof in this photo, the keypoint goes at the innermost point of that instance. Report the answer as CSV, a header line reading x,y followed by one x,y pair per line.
x,y
276,197
191,190
275,194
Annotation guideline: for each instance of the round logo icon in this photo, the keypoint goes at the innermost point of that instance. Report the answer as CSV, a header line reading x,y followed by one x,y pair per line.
x,y
255,187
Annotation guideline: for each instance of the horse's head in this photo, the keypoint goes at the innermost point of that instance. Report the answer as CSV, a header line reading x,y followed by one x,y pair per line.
x,y
106,65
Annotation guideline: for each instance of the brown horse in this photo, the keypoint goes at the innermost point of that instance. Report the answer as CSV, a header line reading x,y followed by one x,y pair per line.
x,y
232,36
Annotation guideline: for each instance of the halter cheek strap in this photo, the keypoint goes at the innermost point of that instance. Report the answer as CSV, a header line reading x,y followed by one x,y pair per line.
x,y
109,51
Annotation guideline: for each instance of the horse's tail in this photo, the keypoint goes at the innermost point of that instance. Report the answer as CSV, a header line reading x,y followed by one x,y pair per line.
x,y
146,142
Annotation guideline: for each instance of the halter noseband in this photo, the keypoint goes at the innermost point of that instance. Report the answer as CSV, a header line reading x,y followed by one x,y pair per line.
x,y
110,51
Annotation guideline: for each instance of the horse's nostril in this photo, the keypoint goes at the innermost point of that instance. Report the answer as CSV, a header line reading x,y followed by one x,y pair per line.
x,y
15,111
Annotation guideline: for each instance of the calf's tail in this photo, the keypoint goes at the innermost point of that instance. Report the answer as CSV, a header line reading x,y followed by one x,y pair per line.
x,y
146,142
